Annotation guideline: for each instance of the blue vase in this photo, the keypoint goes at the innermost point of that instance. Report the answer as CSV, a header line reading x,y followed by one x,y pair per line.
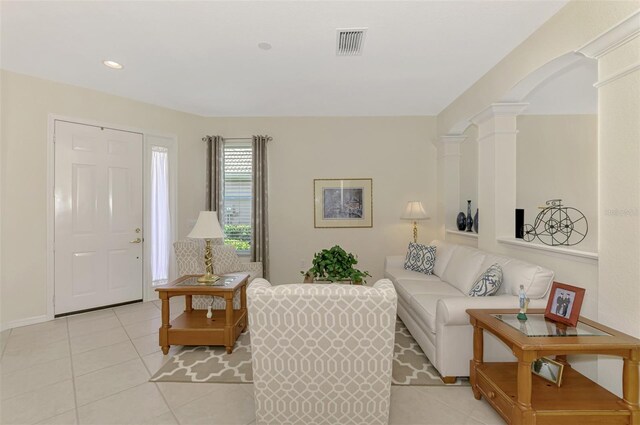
x,y
461,221
469,218
475,222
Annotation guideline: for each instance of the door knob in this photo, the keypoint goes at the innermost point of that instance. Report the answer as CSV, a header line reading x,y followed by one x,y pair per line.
x,y
136,240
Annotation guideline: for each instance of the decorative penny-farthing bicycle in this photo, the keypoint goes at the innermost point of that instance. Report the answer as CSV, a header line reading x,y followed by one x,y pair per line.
x,y
557,225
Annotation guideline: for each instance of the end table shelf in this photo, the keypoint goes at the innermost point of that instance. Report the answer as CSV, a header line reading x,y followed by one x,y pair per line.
x,y
194,328
579,397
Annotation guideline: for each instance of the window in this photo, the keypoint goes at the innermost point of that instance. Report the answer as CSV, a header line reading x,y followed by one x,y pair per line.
x,y
160,218
236,194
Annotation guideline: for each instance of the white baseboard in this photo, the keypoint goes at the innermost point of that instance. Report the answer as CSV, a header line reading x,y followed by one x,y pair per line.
x,y
24,322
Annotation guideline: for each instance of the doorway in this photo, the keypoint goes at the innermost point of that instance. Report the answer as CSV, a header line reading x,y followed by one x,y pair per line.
x,y
98,221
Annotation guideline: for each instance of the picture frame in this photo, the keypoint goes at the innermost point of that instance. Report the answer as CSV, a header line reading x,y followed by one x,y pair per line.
x,y
565,302
343,203
548,369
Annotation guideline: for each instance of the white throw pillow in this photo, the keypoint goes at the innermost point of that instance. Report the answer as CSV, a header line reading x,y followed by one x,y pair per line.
x,y
225,259
420,258
488,283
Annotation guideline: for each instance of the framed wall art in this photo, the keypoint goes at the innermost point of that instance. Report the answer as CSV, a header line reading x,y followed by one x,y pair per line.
x,y
564,303
343,203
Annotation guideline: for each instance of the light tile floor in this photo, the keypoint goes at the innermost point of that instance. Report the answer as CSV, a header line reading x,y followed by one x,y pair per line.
x,y
94,368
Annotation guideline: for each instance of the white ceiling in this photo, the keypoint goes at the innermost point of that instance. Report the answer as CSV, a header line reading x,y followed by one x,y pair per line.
x,y
203,58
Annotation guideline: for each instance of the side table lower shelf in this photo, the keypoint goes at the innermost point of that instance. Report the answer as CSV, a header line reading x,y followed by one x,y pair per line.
x,y
193,328
578,401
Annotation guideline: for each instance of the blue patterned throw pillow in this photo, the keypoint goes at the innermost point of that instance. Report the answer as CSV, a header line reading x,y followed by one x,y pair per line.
x,y
488,283
420,258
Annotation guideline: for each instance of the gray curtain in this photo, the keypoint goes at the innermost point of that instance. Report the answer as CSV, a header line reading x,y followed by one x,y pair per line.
x,y
260,207
214,174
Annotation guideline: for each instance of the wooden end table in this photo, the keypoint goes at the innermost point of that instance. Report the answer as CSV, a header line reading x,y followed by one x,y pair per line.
x,y
525,399
193,327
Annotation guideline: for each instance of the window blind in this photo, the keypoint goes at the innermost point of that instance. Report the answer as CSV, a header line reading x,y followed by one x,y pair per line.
x,y
236,193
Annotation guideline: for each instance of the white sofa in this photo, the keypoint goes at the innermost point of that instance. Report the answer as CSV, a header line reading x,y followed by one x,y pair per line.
x,y
433,307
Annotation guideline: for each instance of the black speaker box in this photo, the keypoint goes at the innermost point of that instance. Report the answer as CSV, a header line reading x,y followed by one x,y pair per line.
x,y
519,223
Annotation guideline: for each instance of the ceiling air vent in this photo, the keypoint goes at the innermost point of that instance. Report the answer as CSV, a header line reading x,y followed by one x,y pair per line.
x,y
349,41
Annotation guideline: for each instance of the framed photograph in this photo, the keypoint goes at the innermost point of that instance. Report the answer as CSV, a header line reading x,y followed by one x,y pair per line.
x,y
548,369
342,203
564,303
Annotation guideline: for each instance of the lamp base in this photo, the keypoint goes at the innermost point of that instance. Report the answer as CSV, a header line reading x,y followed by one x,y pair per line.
x,y
208,278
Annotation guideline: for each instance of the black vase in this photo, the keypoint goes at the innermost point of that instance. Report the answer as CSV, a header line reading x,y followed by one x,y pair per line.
x,y
469,218
461,221
475,222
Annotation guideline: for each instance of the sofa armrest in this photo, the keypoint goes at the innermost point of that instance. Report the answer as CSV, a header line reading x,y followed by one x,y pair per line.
x,y
453,311
258,286
254,268
394,262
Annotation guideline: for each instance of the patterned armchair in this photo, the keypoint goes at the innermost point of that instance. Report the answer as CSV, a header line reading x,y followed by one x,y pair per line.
x,y
322,354
190,260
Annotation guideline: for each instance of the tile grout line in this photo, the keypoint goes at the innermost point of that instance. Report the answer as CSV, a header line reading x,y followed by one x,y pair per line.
x,y
165,400
73,378
149,372
106,367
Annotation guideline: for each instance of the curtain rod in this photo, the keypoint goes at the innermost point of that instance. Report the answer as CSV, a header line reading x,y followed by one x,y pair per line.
x,y
269,138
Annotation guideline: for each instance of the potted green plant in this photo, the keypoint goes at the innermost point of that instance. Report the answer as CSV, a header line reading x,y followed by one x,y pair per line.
x,y
335,264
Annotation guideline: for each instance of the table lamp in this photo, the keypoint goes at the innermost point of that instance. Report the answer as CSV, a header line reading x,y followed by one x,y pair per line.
x,y
207,228
414,211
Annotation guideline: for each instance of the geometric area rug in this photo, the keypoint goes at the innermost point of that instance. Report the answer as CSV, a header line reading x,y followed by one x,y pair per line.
x,y
213,365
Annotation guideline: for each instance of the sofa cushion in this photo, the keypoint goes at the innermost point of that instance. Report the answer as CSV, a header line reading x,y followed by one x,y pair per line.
x,y
444,251
424,307
463,268
420,258
488,283
535,279
407,288
398,273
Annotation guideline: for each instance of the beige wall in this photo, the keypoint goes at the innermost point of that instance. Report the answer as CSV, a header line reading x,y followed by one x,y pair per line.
x,y
394,151
26,103
619,192
557,157
469,170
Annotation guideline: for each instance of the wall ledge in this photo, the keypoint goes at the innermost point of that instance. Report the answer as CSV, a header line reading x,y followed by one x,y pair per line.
x,y
471,235
557,249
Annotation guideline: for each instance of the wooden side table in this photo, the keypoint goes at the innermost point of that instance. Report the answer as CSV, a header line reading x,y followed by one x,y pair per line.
x,y
193,327
525,399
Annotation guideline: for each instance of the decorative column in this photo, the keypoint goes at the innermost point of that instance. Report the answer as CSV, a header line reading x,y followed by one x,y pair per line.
x,y
497,171
618,55
449,152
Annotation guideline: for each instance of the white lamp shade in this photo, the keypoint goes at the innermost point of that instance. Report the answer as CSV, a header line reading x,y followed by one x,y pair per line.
x,y
414,211
207,226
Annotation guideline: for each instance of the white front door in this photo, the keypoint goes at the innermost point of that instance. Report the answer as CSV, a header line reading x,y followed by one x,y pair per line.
x,y
98,216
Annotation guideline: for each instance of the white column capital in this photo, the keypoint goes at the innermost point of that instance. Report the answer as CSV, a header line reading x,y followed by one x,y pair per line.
x,y
612,38
450,144
499,109
453,138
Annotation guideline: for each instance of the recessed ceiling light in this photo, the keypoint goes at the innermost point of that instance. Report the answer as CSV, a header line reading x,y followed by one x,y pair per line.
x,y
112,64
264,46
